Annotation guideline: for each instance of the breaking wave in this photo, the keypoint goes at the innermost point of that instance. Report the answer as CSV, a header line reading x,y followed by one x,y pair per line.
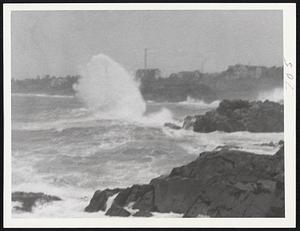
x,y
111,92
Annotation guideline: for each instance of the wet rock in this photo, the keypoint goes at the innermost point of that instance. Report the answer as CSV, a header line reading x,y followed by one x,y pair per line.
x,y
239,115
30,199
220,183
172,126
267,185
116,210
99,199
141,195
189,122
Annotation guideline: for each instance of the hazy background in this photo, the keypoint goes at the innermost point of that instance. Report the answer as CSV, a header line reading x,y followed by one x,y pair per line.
x,y
62,42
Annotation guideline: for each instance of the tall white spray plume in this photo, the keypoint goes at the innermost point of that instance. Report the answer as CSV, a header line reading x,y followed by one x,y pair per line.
x,y
111,92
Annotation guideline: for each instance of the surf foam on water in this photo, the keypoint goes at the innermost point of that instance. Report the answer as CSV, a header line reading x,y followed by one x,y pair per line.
x,y
191,101
41,95
195,142
111,92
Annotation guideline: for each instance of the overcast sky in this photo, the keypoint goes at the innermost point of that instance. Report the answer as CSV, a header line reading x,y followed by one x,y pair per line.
x,y
62,42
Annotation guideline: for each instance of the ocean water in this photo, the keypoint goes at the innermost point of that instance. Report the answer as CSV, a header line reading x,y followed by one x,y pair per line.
x,y
61,148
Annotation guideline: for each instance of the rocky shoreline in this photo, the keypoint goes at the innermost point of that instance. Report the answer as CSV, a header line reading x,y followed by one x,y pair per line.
x,y
237,115
28,200
223,183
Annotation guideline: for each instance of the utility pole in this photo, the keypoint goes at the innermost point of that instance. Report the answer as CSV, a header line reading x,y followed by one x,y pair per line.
x,y
145,58
202,65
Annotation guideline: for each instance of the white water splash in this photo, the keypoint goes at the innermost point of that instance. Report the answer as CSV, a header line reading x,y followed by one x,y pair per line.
x,y
275,95
111,92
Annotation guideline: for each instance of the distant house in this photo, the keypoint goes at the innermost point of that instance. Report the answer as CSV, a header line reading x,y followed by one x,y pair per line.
x,y
55,82
240,71
187,75
147,74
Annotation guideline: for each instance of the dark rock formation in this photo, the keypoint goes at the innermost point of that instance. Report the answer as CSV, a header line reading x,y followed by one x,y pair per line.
x,y
141,195
99,199
143,214
223,183
30,199
172,126
116,210
239,115
189,122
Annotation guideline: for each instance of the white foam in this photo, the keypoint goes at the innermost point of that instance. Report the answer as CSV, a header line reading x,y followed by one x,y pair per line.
x,y
109,91
110,200
192,101
194,142
130,209
41,95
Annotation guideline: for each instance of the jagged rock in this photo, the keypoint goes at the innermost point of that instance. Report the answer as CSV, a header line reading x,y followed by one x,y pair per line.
x,y
30,199
142,197
239,115
116,210
99,199
221,183
189,122
172,126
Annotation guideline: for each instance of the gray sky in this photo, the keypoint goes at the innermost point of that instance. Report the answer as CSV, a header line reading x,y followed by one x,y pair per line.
x,y
62,42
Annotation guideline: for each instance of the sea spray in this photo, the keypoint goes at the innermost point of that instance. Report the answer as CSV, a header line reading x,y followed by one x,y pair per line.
x,y
112,93
107,87
275,95
192,101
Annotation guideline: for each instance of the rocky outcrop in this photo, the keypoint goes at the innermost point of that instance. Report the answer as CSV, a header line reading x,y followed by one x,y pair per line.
x,y
172,126
30,199
99,200
140,195
221,183
239,115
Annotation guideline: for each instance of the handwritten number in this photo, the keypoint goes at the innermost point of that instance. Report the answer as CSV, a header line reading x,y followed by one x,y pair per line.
x,y
287,82
288,64
290,76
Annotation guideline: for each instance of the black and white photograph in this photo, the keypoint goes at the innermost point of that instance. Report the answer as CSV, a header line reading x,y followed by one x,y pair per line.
x,y
152,114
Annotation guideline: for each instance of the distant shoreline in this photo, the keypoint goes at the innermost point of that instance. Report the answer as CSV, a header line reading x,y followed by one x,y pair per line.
x,y
41,95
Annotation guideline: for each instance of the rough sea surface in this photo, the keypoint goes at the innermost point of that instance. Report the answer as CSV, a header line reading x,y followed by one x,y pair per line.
x,y
61,148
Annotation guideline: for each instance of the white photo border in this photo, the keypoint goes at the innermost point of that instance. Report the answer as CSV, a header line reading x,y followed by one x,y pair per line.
x,y
289,51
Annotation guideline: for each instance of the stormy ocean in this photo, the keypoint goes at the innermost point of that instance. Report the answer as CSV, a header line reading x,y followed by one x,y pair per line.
x,y
105,137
